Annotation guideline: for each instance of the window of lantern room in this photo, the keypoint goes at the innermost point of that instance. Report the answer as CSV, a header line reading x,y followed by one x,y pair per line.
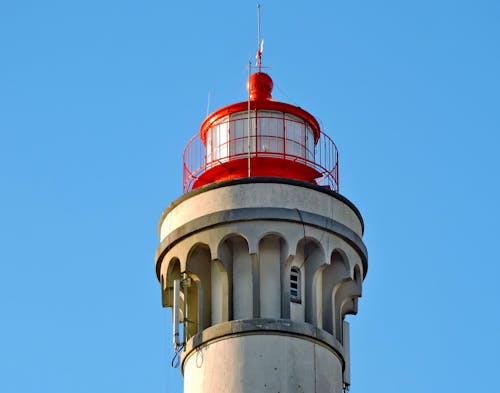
x,y
295,295
270,132
299,138
217,141
239,133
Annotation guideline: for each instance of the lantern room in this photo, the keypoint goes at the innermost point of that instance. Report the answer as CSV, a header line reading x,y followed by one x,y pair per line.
x,y
260,137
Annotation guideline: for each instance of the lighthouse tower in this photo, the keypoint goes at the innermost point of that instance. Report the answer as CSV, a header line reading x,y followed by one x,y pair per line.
x,y
261,258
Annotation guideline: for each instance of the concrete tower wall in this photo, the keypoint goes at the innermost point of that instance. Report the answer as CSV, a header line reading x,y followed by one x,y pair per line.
x,y
288,195
251,325
263,363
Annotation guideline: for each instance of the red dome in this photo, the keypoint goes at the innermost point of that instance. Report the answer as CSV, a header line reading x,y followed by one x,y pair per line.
x,y
260,86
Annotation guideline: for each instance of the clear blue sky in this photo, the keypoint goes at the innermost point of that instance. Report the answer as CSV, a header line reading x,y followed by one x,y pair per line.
x,y
98,99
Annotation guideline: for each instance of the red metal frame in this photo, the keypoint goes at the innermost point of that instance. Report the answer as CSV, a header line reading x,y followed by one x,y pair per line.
x,y
265,104
285,155
230,132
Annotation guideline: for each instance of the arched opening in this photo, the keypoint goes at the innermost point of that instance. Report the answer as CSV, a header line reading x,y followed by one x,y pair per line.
x,y
309,258
173,273
199,288
333,274
234,255
296,290
345,300
272,258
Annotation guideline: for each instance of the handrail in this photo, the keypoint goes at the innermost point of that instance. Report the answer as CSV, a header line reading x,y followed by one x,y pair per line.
x,y
232,144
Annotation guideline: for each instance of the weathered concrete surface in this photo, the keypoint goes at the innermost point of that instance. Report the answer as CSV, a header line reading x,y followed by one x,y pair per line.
x,y
263,362
238,194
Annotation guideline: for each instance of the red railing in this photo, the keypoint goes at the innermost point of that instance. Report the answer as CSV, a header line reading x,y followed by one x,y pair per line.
x,y
272,137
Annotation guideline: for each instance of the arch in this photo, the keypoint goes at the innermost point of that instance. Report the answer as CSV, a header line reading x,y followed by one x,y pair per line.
x,y
274,234
167,282
310,257
333,274
291,307
345,300
295,293
229,238
233,252
272,256
340,256
198,267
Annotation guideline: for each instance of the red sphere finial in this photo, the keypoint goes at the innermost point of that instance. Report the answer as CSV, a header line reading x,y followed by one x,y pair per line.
x,y
260,86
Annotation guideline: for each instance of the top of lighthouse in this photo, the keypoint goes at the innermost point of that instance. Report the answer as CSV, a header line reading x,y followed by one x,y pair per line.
x,y
260,86
260,137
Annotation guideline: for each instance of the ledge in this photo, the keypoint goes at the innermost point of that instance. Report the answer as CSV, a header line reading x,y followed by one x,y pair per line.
x,y
257,180
261,326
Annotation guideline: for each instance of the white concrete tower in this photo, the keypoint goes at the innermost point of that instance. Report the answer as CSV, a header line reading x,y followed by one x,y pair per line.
x,y
261,258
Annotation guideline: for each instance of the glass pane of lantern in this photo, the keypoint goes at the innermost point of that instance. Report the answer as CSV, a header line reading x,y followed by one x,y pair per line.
x,y
295,136
270,131
217,141
309,144
239,133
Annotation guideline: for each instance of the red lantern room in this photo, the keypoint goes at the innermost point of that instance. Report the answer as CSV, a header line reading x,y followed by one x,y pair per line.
x,y
260,137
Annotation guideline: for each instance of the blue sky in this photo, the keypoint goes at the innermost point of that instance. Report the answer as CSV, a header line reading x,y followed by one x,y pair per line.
x,y
97,101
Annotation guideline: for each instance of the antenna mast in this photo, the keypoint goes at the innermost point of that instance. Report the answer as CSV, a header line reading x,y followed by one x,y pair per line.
x,y
260,44
249,168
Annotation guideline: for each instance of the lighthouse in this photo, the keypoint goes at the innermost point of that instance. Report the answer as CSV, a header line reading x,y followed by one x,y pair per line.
x,y
261,258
